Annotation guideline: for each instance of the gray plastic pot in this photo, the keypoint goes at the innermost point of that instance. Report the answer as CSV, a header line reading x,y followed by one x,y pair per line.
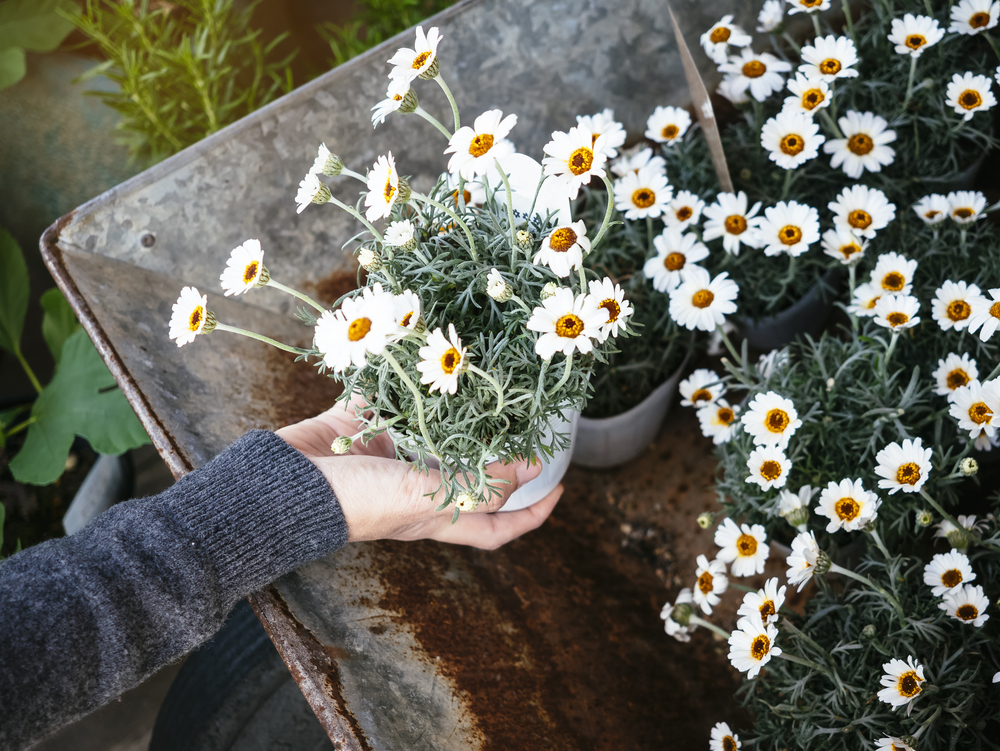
x,y
609,441
807,316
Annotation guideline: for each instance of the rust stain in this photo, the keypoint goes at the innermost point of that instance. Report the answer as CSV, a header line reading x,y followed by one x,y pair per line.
x,y
338,283
295,390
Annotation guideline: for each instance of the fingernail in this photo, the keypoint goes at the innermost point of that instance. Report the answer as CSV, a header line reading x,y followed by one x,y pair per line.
x,y
528,471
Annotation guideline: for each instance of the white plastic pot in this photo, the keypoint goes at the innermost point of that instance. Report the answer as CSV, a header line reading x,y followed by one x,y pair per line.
x,y
609,441
807,316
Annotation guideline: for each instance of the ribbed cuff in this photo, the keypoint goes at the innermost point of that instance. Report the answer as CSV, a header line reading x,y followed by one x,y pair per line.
x,y
260,509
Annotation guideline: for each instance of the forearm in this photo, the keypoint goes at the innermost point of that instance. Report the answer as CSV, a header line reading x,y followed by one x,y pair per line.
x,y
84,618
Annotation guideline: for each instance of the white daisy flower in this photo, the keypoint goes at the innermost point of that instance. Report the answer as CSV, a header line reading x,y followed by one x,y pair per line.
x,y
718,421
764,602
752,645
681,632
700,302
897,312
611,297
724,739
771,420
913,34
473,191
803,560
809,95
974,16
903,467
406,307
360,326
744,547
791,139
947,530
701,388
986,443
729,219
497,288
847,505
789,227
865,299
604,124
966,603
794,507
844,245
770,16
443,360
712,582
684,210
383,188
667,124
311,190
244,269
893,274
676,254
190,316
642,194
864,145
567,324
472,149
326,162
892,743
729,89
952,304
954,372
829,58
633,162
933,208
769,467
420,61
969,94
976,407
563,249
808,6
394,96
862,210
966,206
717,39
401,234
574,157
902,681
985,316
947,571
776,358
760,74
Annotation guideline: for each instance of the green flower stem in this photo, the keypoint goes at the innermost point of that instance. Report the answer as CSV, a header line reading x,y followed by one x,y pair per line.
x,y
804,662
993,374
815,20
27,369
729,345
607,214
295,293
21,426
565,375
262,338
493,382
710,626
888,352
909,81
787,184
510,210
788,625
852,274
791,42
992,44
825,116
417,397
355,175
380,426
583,279
846,6
741,587
432,120
869,583
880,544
357,215
937,507
454,217
522,303
451,101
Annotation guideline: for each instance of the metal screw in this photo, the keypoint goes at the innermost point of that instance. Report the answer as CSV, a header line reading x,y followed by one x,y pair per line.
x,y
148,240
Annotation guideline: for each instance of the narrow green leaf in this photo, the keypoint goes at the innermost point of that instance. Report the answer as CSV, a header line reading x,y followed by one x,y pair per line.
x,y
35,24
59,321
13,291
12,66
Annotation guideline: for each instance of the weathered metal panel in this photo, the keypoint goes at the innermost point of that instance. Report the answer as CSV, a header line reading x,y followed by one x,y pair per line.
x,y
552,642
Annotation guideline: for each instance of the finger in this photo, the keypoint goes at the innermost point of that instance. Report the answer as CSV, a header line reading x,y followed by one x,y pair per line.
x,y
507,478
493,530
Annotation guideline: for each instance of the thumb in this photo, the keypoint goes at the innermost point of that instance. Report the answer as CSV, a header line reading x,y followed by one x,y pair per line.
x,y
506,478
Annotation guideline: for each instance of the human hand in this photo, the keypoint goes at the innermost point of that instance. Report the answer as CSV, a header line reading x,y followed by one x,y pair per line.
x,y
384,498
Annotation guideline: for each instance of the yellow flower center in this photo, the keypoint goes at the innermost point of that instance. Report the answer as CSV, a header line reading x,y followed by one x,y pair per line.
x,y
389,191
980,413
702,395
931,214
770,470
759,647
897,319
860,144
719,35
859,219
995,310
684,213
967,612
397,98
958,310
915,41
893,281
562,239
675,262
830,67
450,360
812,99
847,509
702,298
792,144
746,545
250,272
790,234
194,322
951,578
908,474
705,583
643,198
754,69
670,132
766,610
405,320
729,744
810,3
777,420
614,309
849,250
736,224
871,303
970,99
957,378
466,196
420,59
580,160
909,684
359,329
963,213
979,20
569,326
480,144
725,415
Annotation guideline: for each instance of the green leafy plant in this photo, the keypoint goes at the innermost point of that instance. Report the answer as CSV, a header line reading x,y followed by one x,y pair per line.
x,y
82,398
36,25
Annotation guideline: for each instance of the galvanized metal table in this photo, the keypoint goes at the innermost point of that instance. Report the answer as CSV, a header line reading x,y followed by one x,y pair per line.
x,y
553,642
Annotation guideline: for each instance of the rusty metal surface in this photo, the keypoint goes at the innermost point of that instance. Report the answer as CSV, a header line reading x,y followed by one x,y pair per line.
x,y
552,642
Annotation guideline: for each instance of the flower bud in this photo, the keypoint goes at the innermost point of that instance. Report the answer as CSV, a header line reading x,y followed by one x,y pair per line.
x,y
549,290
959,538
924,518
830,383
497,288
334,165
368,260
524,239
210,322
432,70
705,520
681,614
910,740
868,633
405,192
466,501
822,563
409,103
263,277
968,466
342,445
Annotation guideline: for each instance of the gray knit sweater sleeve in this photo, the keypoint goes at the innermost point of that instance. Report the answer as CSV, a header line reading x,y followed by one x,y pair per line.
x,y
86,617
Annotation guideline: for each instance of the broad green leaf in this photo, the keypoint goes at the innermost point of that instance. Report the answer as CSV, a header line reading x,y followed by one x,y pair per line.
x,y
12,66
59,321
35,24
82,399
13,291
